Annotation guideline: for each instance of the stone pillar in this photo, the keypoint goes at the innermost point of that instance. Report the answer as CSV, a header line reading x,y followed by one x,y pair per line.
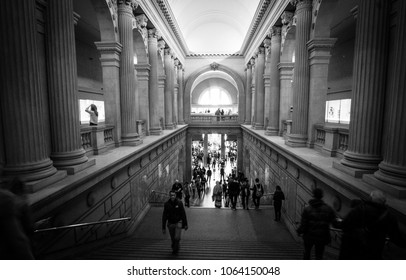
x,y
259,89
240,150
188,161
161,82
368,95
168,90
142,71
110,62
253,63
286,98
22,98
154,126
392,169
222,146
181,119
205,146
267,82
273,119
175,91
129,106
301,75
248,93
319,54
67,152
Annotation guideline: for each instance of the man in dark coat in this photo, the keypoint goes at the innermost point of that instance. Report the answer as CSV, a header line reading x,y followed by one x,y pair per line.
x,y
177,188
174,217
234,191
315,225
278,196
366,227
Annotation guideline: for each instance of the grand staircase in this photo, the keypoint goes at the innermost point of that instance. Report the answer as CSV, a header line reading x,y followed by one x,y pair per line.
x,y
213,234
149,249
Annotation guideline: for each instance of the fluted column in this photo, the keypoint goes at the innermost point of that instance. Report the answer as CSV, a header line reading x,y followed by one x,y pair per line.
x,y
22,97
110,62
253,103
259,89
267,82
240,162
248,93
168,90
181,119
301,75
392,169
286,98
368,95
129,105
142,71
154,127
319,54
67,148
175,90
273,119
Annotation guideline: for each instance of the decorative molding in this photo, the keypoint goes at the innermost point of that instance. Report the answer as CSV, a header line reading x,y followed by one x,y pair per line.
x,y
214,66
213,54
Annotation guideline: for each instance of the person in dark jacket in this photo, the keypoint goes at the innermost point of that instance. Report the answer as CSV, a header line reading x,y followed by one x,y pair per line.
x,y
234,191
245,193
174,217
257,193
177,188
315,225
278,196
366,227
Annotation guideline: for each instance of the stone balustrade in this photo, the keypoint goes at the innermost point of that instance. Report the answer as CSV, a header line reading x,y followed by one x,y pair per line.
x,y
213,119
332,141
97,139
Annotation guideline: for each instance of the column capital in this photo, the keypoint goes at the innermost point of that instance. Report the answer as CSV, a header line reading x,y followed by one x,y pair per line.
x,y
319,50
301,3
142,21
133,4
252,61
168,52
267,43
261,50
153,33
287,18
161,44
275,31
109,52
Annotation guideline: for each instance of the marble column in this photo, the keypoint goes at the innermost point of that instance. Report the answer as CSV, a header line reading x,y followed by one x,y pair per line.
x,y
267,82
67,152
319,54
142,71
23,110
301,75
168,90
181,119
161,82
175,91
286,98
273,114
154,123
129,105
368,95
205,148
240,150
253,103
392,169
248,93
188,161
110,62
259,89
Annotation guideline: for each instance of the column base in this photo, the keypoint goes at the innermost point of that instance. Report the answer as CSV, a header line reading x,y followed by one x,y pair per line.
x,y
258,126
155,131
247,122
354,172
30,171
34,186
296,140
131,141
391,174
169,126
396,191
271,131
367,164
68,159
79,167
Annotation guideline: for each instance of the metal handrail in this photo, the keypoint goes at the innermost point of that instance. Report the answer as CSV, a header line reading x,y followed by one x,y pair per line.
x,y
83,224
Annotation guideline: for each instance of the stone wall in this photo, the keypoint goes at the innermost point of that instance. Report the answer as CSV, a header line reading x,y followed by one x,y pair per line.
x,y
122,190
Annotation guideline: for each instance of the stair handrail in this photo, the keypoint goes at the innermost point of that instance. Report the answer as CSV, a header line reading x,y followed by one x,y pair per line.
x,y
83,225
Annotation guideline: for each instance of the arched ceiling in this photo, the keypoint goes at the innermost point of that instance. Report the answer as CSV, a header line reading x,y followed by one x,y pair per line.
x,y
214,26
211,75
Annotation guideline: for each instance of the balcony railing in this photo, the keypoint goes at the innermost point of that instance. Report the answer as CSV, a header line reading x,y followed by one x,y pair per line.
x,y
97,139
331,140
213,119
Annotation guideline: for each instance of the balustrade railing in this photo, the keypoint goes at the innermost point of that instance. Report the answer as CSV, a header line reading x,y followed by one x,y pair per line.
x,y
213,119
96,139
331,140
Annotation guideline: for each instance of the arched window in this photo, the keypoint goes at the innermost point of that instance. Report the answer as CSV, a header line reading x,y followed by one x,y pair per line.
x,y
215,96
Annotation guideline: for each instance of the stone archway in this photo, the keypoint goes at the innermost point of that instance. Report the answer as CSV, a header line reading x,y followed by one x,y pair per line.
x,y
218,67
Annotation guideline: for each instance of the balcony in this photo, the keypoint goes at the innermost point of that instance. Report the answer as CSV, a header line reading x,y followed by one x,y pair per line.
x,y
212,120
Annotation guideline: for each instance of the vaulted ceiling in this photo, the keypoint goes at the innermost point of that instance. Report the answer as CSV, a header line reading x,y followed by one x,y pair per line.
x,y
214,26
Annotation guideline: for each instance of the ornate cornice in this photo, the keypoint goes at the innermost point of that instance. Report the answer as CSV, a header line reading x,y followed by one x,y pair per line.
x,y
166,11
213,54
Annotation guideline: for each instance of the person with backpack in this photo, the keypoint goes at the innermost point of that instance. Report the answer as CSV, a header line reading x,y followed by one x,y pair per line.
x,y
257,193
